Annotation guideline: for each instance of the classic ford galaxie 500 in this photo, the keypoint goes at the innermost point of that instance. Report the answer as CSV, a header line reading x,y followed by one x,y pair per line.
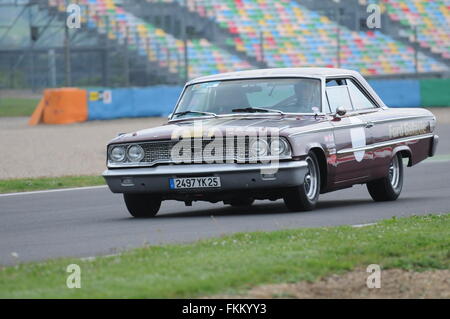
x,y
270,134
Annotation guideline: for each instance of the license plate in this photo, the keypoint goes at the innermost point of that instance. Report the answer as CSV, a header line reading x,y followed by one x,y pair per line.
x,y
194,182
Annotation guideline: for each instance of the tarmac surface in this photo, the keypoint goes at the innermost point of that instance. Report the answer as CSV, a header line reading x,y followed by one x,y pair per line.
x,y
93,221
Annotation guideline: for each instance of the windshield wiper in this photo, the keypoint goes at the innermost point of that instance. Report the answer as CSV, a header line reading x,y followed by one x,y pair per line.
x,y
194,112
256,110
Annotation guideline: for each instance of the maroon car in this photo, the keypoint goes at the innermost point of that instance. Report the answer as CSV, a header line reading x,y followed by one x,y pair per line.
x,y
270,134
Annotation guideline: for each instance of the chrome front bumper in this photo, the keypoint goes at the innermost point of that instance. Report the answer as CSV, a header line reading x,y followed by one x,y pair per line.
x,y
234,177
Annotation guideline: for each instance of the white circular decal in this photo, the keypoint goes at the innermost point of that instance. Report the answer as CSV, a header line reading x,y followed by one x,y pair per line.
x,y
358,137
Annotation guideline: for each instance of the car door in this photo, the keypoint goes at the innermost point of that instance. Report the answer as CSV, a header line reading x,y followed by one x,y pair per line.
x,y
370,113
351,137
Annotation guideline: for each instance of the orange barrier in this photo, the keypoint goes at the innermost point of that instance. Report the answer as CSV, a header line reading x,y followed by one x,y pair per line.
x,y
36,117
61,106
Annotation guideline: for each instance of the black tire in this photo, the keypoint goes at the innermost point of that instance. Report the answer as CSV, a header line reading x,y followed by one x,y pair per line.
x,y
142,205
389,187
242,202
305,196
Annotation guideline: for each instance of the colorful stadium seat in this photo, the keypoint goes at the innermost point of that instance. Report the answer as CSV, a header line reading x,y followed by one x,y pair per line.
x,y
294,36
204,57
432,19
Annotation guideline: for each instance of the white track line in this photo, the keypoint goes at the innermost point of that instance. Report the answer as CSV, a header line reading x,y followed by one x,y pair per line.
x,y
91,258
363,225
53,191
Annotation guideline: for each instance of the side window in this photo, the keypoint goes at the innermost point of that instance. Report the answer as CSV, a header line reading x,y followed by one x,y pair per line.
x,y
360,101
338,97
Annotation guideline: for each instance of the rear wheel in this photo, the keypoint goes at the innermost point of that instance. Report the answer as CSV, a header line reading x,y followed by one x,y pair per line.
x,y
389,187
142,205
305,197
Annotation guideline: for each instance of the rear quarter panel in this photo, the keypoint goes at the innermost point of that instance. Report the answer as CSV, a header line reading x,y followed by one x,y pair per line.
x,y
391,126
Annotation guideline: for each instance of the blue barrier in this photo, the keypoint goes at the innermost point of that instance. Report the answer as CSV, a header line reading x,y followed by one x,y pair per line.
x,y
157,101
398,93
106,104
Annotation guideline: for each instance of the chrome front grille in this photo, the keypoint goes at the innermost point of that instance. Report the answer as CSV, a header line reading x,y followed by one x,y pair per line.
x,y
228,150
157,151
161,151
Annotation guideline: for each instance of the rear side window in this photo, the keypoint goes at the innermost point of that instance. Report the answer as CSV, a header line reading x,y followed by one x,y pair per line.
x,y
335,82
359,99
338,96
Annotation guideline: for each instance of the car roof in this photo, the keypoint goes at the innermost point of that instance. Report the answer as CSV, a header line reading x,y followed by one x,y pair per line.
x,y
292,72
278,72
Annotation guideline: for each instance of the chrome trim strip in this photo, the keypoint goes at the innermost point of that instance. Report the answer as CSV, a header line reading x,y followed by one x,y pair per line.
x,y
225,159
401,118
387,143
331,128
190,169
311,131
365,111
362,124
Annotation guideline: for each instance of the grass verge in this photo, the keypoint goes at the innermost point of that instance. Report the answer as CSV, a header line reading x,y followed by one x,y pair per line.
x,y
231,263
34,184
10,107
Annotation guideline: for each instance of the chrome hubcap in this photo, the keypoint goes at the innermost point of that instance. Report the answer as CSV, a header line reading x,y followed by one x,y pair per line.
x,y
311,182
394,172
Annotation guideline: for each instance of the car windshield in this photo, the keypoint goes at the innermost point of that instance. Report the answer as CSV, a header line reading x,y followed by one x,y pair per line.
x,y
286,95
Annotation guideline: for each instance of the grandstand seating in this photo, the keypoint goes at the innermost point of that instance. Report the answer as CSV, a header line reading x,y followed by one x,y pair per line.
x,y
204,57
295,36
432,19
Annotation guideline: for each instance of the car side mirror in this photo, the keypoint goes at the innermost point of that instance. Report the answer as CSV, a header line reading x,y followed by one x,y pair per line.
x,y
340,111
169,116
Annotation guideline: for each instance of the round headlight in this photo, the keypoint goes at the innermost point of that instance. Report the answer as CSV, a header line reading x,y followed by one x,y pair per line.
x,y
259,148
278,147
135,153
118,154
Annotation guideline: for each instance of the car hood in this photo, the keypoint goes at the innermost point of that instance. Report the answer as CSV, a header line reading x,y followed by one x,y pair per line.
x,y
285,125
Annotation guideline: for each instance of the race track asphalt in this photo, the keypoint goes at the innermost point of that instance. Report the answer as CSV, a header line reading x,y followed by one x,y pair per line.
x,y
90,222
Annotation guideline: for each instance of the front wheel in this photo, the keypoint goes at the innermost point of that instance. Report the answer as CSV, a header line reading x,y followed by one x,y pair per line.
x,y
305,196
389,187
142,205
